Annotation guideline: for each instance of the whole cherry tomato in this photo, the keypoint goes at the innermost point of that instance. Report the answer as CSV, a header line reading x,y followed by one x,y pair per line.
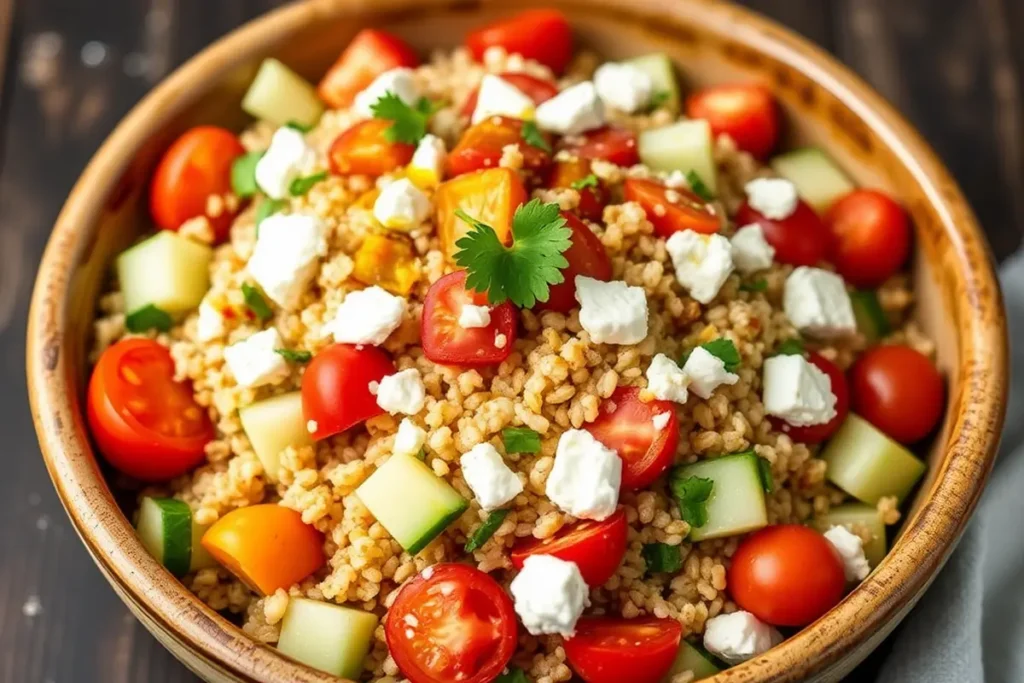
x,y
871,234
899,390
840,389
800,239
746,113
336,387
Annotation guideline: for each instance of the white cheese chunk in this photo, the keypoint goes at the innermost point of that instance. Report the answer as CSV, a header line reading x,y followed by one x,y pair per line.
x,y
623,86
287,256
660,420
702,262
773,198
472,316
490,479
498,97
851,549
402,392
427,166
210,325
287,158
575,110
366,316
401,205
612,312
750,251
399,81
549,595
817,303
254,361
707,372
738,637
796,391
409,439
586,476
666,380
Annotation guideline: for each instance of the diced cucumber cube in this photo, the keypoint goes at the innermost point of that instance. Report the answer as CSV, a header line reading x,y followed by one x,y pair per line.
x,y
868,465
280,96
871,320
273,425
410,501
165,529
694,658
736,504
818,180
167,270
853,516
683,146
659,67
327,637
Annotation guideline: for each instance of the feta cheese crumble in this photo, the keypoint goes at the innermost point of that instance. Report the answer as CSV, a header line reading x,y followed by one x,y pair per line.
x,y
399,82
210,324
490,479
660,420
750,251
498,97
851,549
586,476
402,392
427,166
409,439
474,316
623,86
796,391
702,262
366,316
666,380
549,595
773,198
254,361
612,312
287,256
817,303
738,637
288,157
707,372
401,206
575,110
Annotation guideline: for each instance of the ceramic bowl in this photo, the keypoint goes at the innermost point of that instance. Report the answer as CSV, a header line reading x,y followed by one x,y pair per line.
x,y
712,42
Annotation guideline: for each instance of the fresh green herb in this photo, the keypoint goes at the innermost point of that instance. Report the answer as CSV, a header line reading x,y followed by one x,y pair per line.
x,y
659,97
764,470
409,124
484,532
243,174
294,356
149,317
267,208
520,440
513,675
662,557
301,186
523,272
790,347
755,286
534,138
698,186
586,181
724,350
301,127
256,303
691,493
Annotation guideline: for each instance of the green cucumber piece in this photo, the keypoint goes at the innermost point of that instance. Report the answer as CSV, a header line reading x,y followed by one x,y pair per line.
x,y
327,637
736,504
167,271
280,96
659,67
273,425
410,501
868,465
165,529
871,320
817,178
851,515
693,657
683,146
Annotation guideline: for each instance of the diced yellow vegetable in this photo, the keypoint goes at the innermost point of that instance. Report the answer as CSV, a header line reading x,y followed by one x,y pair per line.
x,y
388,262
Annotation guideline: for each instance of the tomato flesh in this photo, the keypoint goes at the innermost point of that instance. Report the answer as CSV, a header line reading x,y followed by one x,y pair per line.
x,y
617,145
840,388
613,650
626,424
482,146
465,626
446,342
537,89
597,548
672,210
899,390
586,256
871,234
363,149
336,387
371,53
746,113
542,35
799,240
593,198
491,196
145,423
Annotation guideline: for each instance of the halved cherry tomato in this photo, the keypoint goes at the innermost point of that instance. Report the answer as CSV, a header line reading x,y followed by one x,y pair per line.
x,y
491,196
371,53
597,548
899,390
192,169
266,546
747,113
363,149
685,211
819,433
537,89
482,145
786,575
617,145
446,342
626,424
593,198
451,622
613,650
799,240
336,387
871,234
586,256
543,35
145,423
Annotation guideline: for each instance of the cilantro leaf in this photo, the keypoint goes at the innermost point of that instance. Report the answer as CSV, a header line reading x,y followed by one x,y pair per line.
x,y
724,350
243,174
698,186
691,493
662,557
294,356
520,440
409,124
301,186
523,272
149,317
790,347
513,675
256,303
584,182
301,127
764,470
755,286
659,97
483,533
533,137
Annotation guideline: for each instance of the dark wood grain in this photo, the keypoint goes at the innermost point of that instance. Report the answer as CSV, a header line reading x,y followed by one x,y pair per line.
x,y
73,68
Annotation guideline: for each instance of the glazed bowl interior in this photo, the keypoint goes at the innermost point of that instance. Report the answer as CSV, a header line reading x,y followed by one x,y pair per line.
x,y
958,304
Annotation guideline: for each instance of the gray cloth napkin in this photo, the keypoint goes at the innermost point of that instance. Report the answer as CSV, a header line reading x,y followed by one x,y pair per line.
x,y
969,626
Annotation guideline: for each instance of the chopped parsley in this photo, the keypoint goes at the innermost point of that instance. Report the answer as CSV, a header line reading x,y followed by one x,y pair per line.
x,y
301,186
724,350
512,675
698,186
294,356
408,124
301,127
149,317
584,182
764,470
534,138
755,286
662,557
483,533
659,97
243,174
520,440
691,493
790,347
256,303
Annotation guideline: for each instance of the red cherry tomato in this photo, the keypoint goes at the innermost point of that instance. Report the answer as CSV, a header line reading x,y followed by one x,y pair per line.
x,y
819,433
542,35
593,198
899,390
537,89
446,342
613,650
799,240
145,423
336,387
363,150
747,113
626,424
586,256
786,575
465,626
482,145
597,548
684,211
371,53
617,145
871,234
192,169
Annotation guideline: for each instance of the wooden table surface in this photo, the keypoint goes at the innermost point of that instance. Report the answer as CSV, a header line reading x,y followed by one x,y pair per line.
x,y
70,69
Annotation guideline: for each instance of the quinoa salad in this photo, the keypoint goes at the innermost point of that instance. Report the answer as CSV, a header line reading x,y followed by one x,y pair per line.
x,y
508,364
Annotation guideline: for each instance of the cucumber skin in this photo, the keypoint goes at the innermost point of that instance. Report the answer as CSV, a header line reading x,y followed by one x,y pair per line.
x,y
434,531
173,518
870,477
693,658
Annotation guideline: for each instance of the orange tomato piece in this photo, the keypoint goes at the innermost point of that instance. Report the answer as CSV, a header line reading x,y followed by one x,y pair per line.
x,y
483,145
388,262
491,196
593,198
364,150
